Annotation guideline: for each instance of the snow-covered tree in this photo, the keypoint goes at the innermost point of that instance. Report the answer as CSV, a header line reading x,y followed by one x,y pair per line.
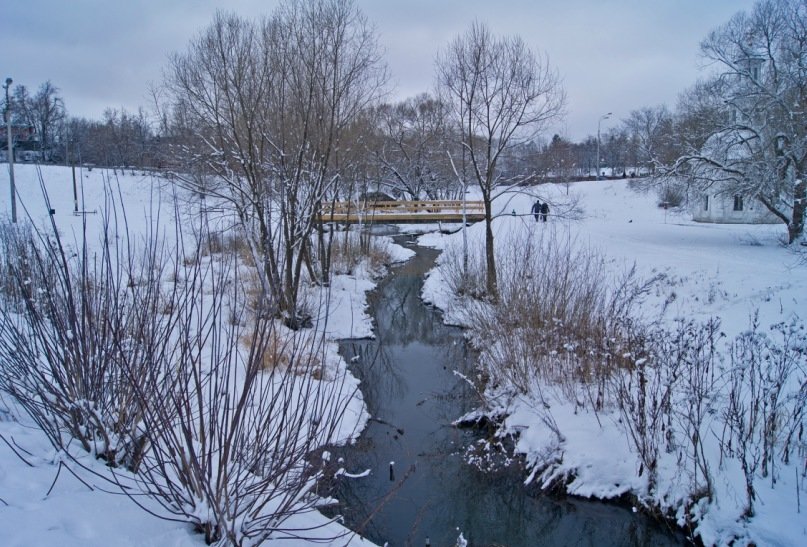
x,y
756,143
651,129
43,111
414,138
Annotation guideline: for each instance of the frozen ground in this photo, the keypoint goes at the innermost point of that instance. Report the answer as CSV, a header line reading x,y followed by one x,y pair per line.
x,y
708,270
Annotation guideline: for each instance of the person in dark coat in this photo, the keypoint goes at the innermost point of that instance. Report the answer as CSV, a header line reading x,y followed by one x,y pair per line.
x,y
544,211
536,210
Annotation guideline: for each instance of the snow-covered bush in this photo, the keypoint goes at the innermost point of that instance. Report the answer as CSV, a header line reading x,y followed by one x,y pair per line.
x,y
78,331
764,408
666,392
16,255
155,360
352,249
566,349
672,194
464,275
245,404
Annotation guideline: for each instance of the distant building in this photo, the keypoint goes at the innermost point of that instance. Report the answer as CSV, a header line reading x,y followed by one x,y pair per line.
x,y
19,133
23,137
376,196
27,147
24,151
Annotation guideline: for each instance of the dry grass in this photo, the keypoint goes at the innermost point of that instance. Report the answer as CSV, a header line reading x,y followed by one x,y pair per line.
x,y
231,241
299,352
18,253
352,250
559,314
463,281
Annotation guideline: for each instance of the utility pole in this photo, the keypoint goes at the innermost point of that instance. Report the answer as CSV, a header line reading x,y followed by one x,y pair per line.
x,y
603,117
10,147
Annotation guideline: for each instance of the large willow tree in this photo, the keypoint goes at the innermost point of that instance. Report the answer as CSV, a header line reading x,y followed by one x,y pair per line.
x,y
265,105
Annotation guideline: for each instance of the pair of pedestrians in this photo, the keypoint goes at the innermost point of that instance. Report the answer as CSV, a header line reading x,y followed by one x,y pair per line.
x,y
540,210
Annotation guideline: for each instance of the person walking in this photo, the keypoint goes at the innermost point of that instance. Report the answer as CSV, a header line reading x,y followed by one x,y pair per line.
x,y
544,211
536,210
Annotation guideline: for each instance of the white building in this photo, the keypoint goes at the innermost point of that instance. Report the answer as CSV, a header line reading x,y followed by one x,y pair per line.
x,y
737,209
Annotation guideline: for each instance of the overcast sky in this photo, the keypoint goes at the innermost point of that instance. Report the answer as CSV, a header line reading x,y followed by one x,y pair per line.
x,y
613,55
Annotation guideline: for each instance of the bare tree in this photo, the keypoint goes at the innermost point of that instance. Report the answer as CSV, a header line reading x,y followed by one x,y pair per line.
x,y
268,104
558,158
500,94
48,110
414,138
652,129
217,89
43,111
759,147
126,138
699,111
331,71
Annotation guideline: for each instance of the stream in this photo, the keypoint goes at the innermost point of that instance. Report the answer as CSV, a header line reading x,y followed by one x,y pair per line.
x,y
420,491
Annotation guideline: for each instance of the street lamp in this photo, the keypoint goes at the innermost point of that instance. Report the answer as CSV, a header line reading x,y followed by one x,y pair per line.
x,y
10,147
603,117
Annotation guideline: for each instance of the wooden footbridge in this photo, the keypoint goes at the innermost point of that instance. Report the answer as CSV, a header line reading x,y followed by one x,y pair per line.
x,y
402,212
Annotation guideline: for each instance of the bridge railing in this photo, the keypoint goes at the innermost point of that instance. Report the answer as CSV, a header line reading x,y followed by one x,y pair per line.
x,y
403,211
420,206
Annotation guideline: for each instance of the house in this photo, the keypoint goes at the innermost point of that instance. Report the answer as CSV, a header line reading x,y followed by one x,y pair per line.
x,y
26,145
738,147
19,132
730,209
25,151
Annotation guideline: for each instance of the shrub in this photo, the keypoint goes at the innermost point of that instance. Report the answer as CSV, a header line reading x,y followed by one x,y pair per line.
x,y
215,410
352,249
555,314
671,195
78,332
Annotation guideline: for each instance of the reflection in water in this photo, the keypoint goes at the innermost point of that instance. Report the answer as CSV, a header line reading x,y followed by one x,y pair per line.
x,y
407,377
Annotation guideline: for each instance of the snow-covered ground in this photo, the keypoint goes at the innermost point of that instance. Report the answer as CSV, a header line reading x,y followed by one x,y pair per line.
x,y
36,509
725,270
706,270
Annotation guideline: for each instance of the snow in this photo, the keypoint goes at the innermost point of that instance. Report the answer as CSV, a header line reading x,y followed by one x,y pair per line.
x,y
71,514
705,270
728,270
75,513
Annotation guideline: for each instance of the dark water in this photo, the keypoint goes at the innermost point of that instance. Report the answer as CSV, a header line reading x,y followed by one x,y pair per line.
x,y
413,394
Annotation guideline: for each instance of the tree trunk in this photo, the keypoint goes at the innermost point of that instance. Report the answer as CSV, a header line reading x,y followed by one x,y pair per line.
x,y
795,228
490,256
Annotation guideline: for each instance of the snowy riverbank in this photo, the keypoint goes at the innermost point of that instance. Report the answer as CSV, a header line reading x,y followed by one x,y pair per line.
x,y
702,271
78,507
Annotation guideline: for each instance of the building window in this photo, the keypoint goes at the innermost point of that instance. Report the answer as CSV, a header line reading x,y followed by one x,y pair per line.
x,y
738,203
705,203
